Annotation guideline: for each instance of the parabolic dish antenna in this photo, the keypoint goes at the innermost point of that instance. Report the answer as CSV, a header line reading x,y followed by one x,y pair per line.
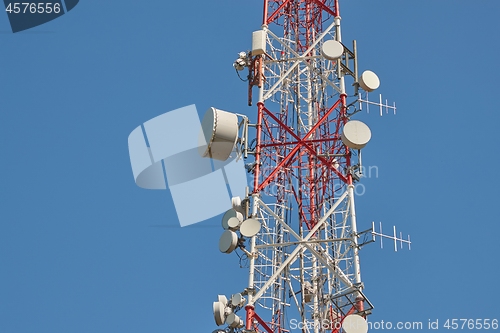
x,y
234,321
228,215
369,81
219,132
233,223
332,50
356,134
228,241
355,324
222,299
250,227
218,309
238,300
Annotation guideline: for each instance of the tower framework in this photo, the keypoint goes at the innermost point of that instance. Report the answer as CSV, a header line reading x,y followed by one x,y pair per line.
x,y
304,268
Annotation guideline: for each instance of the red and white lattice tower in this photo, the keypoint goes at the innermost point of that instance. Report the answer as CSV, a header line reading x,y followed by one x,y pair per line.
x,y
304,267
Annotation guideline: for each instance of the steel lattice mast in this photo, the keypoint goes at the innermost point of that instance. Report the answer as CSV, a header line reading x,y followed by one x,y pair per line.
x,y
304,269
307,252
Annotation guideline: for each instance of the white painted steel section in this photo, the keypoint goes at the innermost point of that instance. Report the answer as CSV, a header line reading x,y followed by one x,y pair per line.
x,y
338,37
251,275
296,63
296,251
357,270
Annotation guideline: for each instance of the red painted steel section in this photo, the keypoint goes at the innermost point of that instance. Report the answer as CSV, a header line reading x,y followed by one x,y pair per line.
x,y
360,305
258,145
268,145
266,6
251,316
325,8
301,142
277,12
262,323
249,320
351,311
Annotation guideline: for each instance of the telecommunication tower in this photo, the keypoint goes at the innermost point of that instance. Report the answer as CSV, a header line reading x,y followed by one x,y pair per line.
x,y
297,225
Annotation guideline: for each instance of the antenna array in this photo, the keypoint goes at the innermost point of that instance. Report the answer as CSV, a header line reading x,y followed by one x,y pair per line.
x,y
297,224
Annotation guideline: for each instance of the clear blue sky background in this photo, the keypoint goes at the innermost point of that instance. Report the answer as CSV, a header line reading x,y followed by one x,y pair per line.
x,y
83,249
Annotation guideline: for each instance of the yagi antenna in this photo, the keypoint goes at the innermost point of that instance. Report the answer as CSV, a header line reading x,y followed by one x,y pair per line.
x,y
394,237
380,104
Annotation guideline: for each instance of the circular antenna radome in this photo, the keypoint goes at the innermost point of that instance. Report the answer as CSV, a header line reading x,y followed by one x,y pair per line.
x,y
332,50
355,324
233,223
222,299
250,227
228,241
238,300
234,321
228,215
369,81
219,132
356,134
218,309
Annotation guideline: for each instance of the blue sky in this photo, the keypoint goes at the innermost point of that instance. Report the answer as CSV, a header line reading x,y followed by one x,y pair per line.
x,y
83,249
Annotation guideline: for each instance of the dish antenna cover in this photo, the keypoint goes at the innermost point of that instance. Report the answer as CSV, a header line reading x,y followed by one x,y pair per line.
x,y
332,50
250,228
222,299
233,223
369,81
219,316
238,300
228,241
234,321
229,215
355,324
219,132
356,134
